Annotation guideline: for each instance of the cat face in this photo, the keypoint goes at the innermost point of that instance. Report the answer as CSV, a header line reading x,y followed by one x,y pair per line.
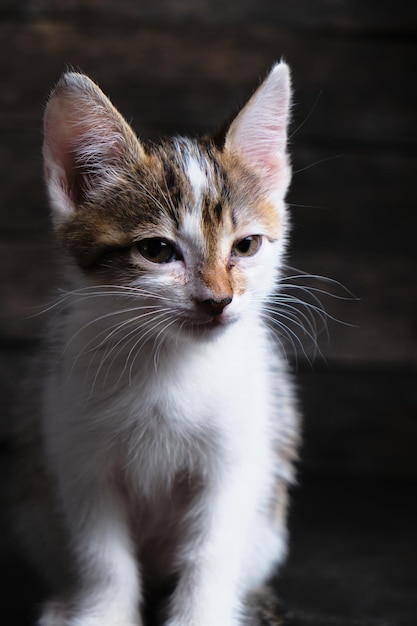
x,y
193,230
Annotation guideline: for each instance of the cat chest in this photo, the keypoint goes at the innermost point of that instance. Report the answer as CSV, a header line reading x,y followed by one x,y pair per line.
x,y
184,419
163,441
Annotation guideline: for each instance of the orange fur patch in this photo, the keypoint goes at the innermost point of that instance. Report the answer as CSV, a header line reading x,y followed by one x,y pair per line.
x,y
269,217
217,280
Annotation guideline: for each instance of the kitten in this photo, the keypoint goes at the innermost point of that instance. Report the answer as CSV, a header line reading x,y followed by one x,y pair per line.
x,y
160,450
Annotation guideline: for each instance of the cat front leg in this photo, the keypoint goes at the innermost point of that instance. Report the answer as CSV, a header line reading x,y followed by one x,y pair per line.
x,y
107,584
209,592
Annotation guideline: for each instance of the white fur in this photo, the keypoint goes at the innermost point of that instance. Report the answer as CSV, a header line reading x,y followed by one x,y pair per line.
x,y
208,409
62,207
197,178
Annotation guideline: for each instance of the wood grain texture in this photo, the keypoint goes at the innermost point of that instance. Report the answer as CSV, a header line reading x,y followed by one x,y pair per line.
x,y
188,78
183,66
350,15
366,428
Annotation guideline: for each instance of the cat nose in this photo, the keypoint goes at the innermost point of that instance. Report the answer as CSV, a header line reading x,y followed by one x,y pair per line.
x,y
215,307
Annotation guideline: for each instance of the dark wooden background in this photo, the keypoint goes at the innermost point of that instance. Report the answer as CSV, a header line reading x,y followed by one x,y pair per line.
x,y
183,66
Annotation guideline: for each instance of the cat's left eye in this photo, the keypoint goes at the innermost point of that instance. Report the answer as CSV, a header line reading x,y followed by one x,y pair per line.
x,y
158,250
247,246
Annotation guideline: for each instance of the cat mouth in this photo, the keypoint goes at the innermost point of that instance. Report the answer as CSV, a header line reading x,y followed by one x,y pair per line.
x,y
211,324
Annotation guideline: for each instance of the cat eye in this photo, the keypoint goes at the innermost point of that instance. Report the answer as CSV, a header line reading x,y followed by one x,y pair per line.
x,y
247,246
158,250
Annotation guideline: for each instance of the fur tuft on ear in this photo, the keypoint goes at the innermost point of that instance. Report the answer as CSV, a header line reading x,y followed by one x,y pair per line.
x,y
86,142
258,134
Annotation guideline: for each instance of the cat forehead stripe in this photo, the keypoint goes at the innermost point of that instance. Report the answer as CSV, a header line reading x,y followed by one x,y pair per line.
x,y
197,175
191,230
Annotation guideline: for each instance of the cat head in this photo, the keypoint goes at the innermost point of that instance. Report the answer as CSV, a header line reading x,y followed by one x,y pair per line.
x,y
195,227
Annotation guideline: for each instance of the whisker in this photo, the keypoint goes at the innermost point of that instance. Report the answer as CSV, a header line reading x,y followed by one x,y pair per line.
x,y
290,334
308,206
303,274
320,310
308,116
66,298
309,307
107,334
290,317
149,331
114,330
324,279
293,320
292,314
120,345
159,342
101,318
297,310
307,167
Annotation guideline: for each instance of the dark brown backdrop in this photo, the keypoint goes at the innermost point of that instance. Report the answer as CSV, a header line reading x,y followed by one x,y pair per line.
x,y
183,66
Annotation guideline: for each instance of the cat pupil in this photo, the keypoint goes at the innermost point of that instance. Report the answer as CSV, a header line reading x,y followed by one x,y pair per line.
x,y
245,245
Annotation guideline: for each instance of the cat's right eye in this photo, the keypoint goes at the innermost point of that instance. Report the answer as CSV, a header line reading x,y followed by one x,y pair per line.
x,y
158,250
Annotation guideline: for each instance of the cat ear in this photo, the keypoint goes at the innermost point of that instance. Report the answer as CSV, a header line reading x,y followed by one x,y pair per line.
x,y
87,143
259,132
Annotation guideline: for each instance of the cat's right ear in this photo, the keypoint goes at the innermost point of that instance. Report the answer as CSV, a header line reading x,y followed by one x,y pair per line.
x,y
87,143
258,135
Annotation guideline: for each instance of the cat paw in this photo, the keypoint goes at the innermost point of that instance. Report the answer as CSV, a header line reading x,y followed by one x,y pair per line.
x,y
54,614
60,614
263,608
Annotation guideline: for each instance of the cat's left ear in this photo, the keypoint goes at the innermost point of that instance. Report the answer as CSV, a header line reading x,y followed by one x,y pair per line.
x,y
87,145
258,135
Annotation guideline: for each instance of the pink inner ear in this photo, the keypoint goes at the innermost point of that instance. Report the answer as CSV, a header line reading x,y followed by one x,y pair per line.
x,y
80,139
265,149
86,138
266,152
259,132
61,123
61,136
275,173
